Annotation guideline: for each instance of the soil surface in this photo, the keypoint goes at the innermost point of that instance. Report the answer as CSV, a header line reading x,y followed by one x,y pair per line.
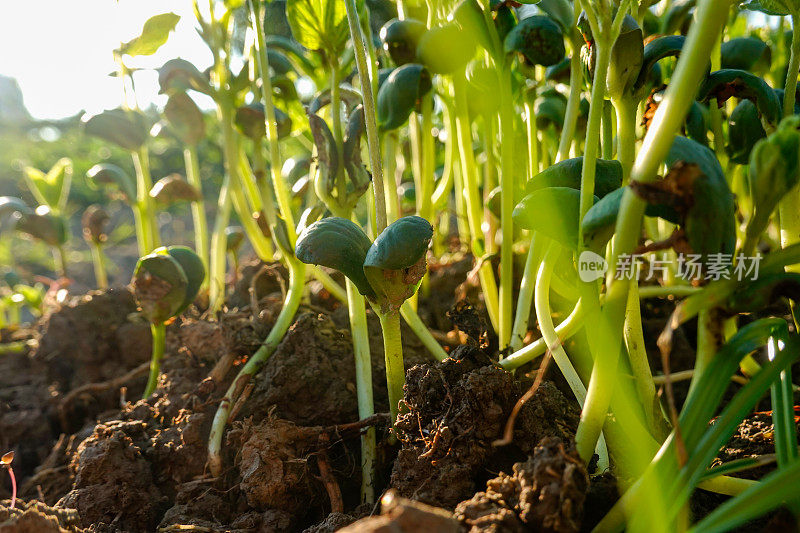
x,y
90,455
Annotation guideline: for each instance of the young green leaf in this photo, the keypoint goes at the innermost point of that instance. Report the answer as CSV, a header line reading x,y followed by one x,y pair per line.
x,y
445,49
108,174
774,171
154,34
193,269
395,263
724,84
185,118
401,94
400,39
337,243
179,75
250,120
567,173
160,286
551,211
319,24
328,158
44,225
538,40
173,189
126,128
746,53
51,189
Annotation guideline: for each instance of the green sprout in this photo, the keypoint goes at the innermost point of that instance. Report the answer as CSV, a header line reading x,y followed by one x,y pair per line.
x,y
387,272
94,222
165,283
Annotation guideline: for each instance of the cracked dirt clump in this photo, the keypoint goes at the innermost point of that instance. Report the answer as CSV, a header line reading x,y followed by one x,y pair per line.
x,y
456,409
545,493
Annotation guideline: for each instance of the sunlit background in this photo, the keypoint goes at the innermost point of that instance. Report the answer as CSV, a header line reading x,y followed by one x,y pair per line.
x,y
60,52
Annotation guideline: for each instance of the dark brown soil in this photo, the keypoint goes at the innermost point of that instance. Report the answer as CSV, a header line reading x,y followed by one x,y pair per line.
x,y
95,456
545,493
456,409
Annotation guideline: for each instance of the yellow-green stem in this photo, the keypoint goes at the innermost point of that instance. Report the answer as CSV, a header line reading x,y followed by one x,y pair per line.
x,y
393,356
159,333
198,209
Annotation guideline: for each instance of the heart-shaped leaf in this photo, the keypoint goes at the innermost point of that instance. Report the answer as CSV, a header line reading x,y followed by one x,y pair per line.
x,y
319,24
51,189
337,243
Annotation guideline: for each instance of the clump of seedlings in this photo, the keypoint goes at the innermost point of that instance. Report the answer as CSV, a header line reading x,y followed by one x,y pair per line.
x,y
587,155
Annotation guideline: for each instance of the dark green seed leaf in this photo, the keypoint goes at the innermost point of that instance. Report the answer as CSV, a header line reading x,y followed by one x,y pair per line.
x,y
337,243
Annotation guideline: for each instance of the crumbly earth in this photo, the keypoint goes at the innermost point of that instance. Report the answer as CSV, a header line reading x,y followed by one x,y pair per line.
x,y
545,493
455,410
90,455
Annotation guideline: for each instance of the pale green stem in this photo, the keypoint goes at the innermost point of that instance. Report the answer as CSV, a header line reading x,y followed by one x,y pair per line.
x,y
99,261
329,284
508,185
791,76
217,267
390,184
281,189
159,333
525,297
149,224
254,364
574,98
533,141
198,209
554,343
711,16
358,330
393,356
369,112
789,207
474,205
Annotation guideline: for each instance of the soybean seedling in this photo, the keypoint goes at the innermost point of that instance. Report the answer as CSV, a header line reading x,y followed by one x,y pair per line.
x,y
387,272
42,224
6,461
165,283
94,222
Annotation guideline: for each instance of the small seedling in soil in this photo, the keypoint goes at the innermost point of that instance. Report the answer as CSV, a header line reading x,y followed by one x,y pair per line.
x,y
6,461
165,283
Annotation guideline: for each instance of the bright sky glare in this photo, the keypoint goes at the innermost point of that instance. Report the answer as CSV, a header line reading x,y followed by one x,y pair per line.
x,y
60,52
